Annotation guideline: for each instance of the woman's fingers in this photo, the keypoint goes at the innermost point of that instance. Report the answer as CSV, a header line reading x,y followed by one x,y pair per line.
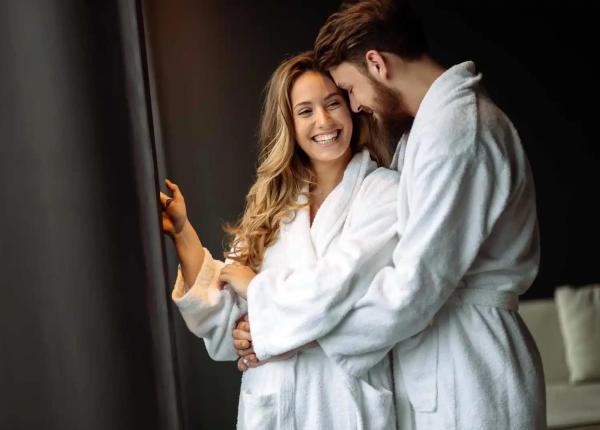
x,y
173,187
163,199
242,367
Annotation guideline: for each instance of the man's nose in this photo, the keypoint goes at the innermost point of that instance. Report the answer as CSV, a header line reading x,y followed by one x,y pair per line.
x,y
354,105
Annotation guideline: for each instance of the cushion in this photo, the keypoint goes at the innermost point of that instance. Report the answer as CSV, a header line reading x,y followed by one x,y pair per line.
x,y
579,318
541,318
573,406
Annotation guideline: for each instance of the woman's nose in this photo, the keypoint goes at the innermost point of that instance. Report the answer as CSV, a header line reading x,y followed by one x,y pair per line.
x,y
323,117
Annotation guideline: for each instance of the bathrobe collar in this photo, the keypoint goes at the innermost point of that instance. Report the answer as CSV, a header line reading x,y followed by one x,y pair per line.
x,y
450,85
334,210
308,243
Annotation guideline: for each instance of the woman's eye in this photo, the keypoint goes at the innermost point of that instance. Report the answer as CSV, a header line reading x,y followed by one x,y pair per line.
x,y
304,112
333,105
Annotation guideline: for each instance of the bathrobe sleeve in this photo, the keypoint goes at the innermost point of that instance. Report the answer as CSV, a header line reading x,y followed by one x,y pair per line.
x,y
456,200
288,308
208,311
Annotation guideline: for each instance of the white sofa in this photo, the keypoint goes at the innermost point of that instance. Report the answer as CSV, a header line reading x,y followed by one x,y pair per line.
x,y
569,406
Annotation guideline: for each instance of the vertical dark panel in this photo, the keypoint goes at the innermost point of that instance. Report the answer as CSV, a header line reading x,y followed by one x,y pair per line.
x,y
146,176
75,326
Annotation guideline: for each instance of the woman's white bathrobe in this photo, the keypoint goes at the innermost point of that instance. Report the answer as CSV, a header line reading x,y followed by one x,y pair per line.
x,y
463,359
309,391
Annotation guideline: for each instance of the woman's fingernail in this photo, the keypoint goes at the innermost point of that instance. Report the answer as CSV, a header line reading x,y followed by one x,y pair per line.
x,y
245,360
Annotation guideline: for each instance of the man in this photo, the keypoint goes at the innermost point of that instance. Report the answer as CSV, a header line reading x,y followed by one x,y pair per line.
x,y
469,246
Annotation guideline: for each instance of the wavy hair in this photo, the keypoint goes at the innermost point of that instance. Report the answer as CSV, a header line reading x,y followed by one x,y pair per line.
x,y
283,167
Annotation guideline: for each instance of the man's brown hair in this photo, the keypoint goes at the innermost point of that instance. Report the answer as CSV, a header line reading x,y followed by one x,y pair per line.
x,y
358,26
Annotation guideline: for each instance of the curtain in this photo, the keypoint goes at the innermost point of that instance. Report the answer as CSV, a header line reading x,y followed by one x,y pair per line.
x,y
86,339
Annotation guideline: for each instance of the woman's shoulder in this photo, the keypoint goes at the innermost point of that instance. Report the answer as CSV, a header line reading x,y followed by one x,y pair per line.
x,y
379,186
381,178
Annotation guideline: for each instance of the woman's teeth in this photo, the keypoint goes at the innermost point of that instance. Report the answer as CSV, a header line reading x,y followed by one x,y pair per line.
x,y
326,139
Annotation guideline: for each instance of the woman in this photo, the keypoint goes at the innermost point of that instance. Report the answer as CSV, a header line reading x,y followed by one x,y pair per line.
x,y
314,182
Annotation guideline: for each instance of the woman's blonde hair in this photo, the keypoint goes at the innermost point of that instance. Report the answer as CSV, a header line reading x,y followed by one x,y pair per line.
x,y
283,168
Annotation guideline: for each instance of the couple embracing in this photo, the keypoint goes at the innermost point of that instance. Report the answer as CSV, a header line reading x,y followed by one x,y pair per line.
x,y
372,281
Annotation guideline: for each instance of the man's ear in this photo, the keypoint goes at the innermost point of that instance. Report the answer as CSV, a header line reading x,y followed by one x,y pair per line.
x,y
376,65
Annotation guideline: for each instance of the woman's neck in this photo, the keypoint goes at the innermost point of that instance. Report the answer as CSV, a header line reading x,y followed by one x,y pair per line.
x,y
327,176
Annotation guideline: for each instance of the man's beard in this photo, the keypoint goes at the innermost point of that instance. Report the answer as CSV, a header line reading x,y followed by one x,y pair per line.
x,y
392,119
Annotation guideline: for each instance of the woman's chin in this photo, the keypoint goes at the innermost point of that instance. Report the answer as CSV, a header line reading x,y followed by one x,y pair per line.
x,y
330,153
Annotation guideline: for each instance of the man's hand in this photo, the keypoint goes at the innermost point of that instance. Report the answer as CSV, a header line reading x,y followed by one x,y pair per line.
x,y
242,342
242,339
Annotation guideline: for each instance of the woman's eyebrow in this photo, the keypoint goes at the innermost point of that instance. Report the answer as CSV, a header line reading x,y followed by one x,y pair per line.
x,y
301,104
327,97
337,93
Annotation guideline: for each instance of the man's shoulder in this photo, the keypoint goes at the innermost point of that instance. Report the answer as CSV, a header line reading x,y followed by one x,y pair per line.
x,y
466,126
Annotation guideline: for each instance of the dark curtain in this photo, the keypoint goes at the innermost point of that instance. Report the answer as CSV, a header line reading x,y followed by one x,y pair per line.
x,y
89,91
85,338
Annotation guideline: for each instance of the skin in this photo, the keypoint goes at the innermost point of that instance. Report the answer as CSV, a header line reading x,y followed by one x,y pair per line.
x,y
408,80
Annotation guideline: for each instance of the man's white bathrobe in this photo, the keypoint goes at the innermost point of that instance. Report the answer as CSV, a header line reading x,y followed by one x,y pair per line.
x,y
309,391
469,246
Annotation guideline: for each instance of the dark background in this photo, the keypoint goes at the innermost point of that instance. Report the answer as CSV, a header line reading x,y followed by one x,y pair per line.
x,y
87,134
212,59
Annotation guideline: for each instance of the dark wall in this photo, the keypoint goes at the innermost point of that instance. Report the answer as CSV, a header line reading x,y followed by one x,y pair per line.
x,y
212,59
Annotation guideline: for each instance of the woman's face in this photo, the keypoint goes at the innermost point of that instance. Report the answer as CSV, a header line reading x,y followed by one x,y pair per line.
x,y
322,120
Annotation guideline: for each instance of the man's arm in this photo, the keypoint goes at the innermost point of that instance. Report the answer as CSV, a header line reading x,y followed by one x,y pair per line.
x,y
290,308
457,201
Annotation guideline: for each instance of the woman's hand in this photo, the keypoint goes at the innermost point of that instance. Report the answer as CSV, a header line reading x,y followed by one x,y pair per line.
x,y
238,277
174,215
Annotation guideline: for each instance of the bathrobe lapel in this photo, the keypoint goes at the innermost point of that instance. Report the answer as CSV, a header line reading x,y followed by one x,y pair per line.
x,y
333,212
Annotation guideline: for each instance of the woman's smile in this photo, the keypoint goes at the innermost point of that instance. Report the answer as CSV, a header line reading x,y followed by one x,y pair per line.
x,y
326,139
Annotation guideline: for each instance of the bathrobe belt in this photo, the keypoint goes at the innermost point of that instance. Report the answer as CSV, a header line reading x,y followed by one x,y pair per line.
x,y
485,297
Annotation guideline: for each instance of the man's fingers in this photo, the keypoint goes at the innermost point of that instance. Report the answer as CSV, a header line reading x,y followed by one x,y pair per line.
x,y
240,319
241,344
245,352
245,363
244,326
241,335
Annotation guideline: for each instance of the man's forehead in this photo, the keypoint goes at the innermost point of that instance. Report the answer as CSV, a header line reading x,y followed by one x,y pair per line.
x,y
341,74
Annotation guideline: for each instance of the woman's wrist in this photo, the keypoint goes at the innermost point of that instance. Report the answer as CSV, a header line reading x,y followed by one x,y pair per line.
x,y
184,231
